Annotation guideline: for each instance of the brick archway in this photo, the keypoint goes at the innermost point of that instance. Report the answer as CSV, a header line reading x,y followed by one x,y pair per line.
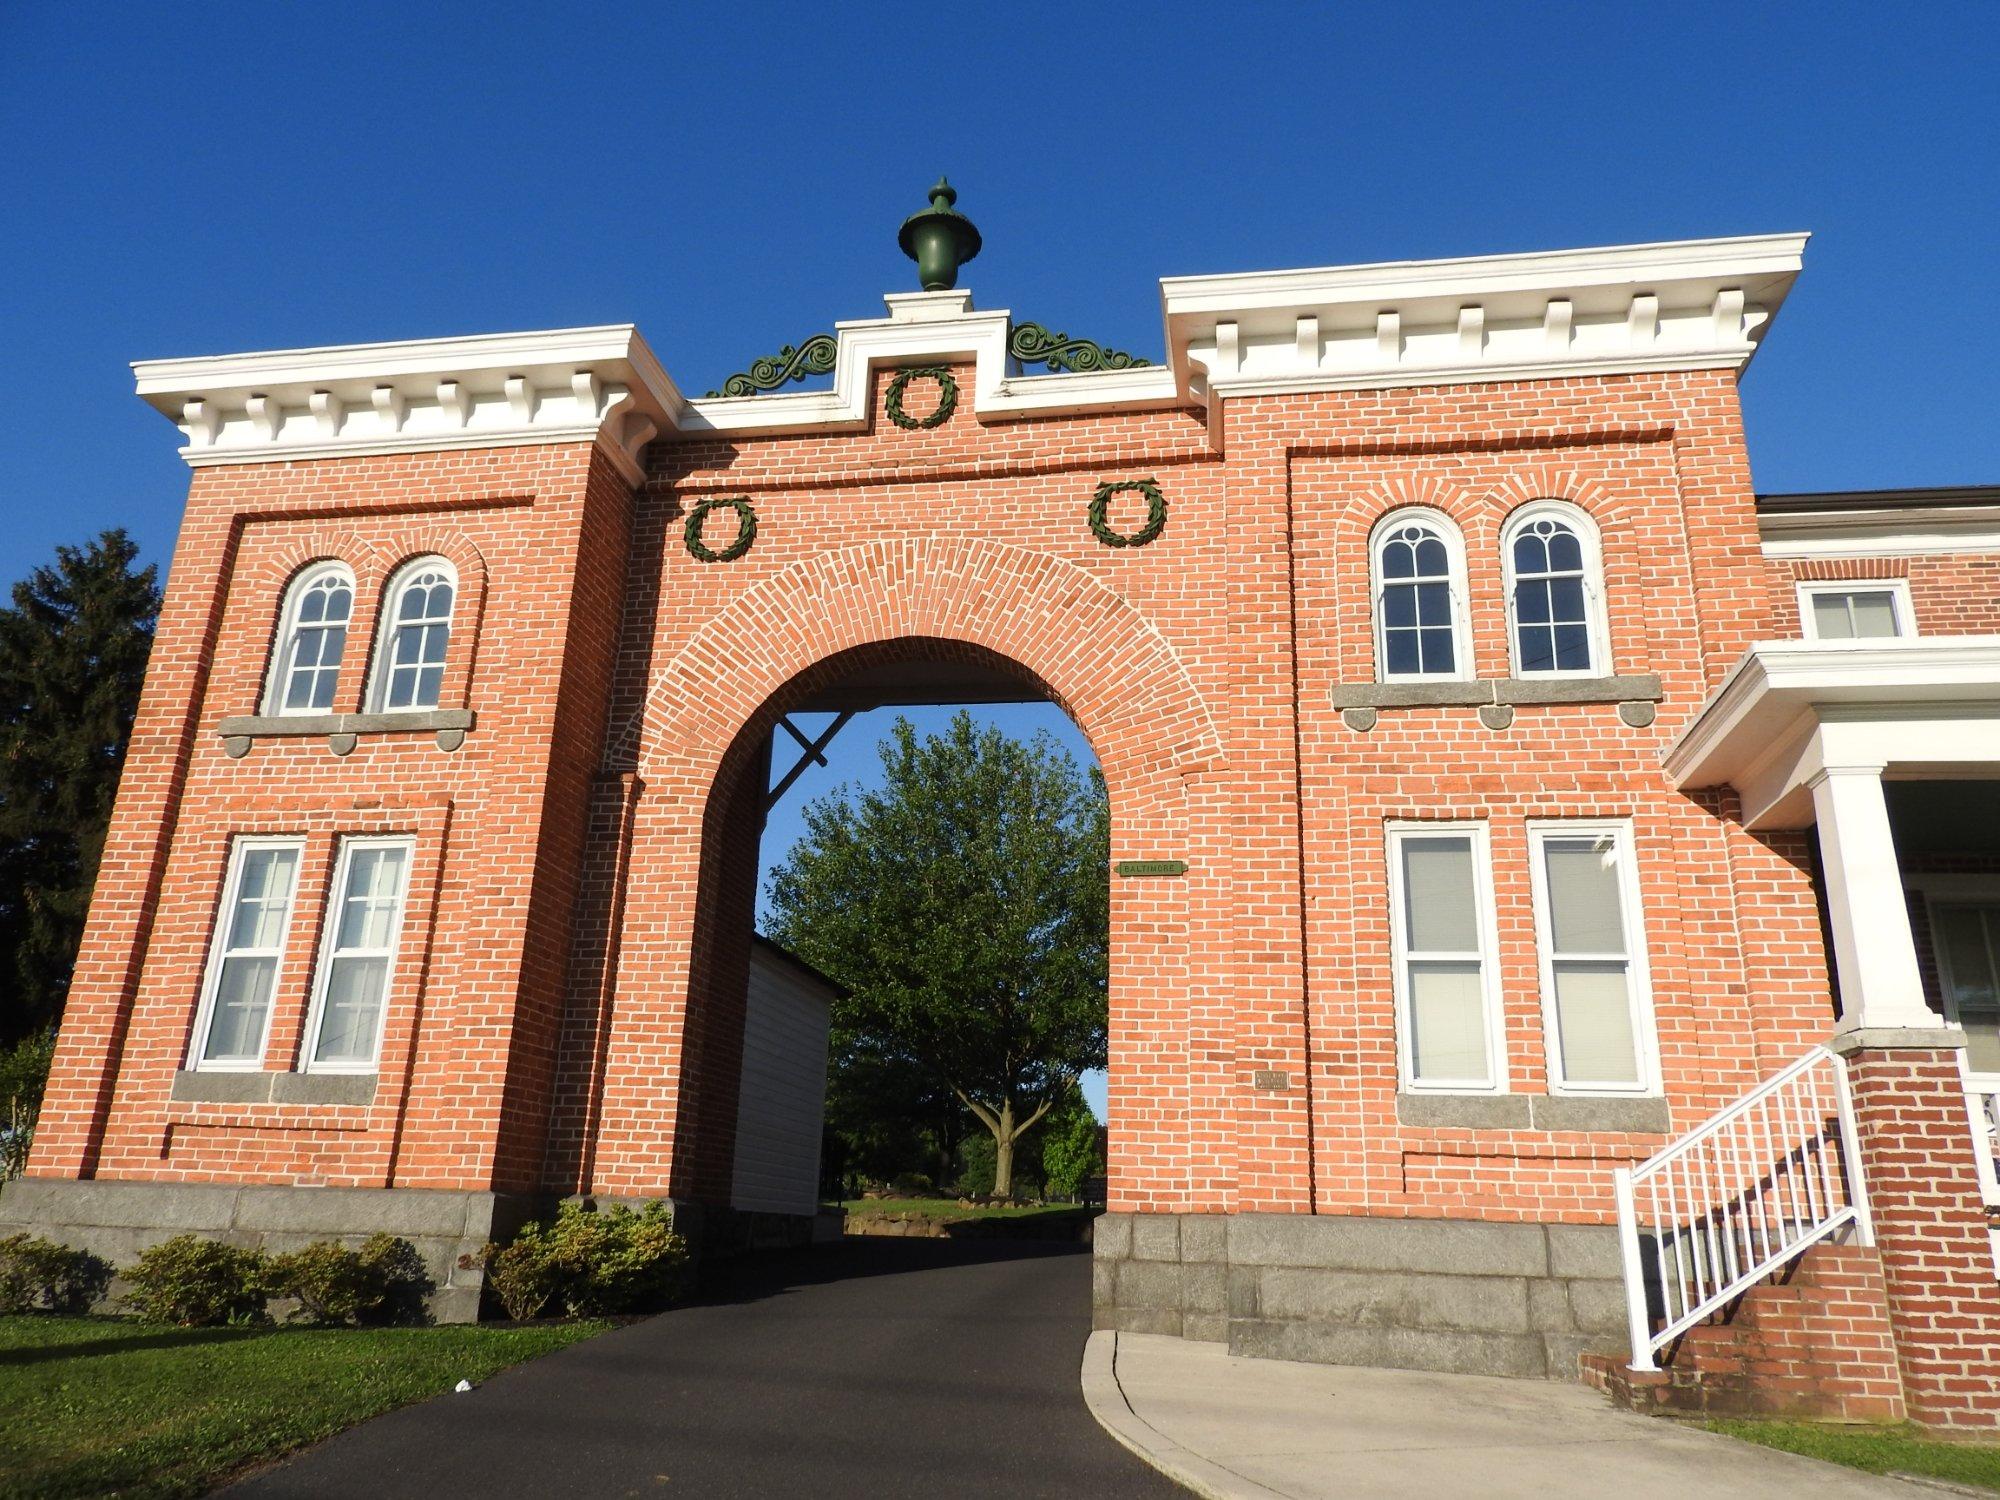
x,y
666,1052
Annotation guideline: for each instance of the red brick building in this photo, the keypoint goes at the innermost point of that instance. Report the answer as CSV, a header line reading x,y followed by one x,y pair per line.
x,y
1467,721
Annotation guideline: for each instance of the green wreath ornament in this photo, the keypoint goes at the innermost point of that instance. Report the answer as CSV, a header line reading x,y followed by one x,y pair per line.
x,y
1156,512
947,398
746,528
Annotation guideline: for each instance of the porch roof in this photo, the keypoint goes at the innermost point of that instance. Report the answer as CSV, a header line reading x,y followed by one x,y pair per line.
x,y
1789,709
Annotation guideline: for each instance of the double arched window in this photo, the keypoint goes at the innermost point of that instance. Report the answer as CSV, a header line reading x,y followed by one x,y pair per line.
x,y
312,638
413,635
1419,566
1555,606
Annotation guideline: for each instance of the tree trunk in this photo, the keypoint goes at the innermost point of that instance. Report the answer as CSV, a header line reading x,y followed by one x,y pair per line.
x,y
1003,1153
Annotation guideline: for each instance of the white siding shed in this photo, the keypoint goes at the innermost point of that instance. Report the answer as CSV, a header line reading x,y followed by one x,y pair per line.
x,y
781,1102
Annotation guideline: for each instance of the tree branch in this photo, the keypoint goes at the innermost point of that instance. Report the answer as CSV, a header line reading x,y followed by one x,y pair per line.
x,y
986,1116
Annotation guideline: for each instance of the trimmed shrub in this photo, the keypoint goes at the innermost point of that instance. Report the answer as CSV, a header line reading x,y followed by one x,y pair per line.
x,y
198,1283
39,1273
590,1263
382,1282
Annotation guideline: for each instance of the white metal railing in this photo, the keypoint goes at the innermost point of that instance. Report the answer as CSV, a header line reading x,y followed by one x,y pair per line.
x,y
1982,1107
1736,1198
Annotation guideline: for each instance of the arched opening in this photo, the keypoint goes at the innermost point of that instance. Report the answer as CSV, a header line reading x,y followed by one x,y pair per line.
x,y
749,1071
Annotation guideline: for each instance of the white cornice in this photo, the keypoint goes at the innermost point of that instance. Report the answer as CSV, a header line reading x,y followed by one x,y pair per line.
x,y
1889,531
418,395
1694,304
1690,305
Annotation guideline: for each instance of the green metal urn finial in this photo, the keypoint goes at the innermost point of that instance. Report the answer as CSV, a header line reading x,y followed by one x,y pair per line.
x,y
939,240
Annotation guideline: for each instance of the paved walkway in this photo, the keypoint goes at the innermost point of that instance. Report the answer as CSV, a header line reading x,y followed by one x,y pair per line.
x,y
1259,1429
879,1367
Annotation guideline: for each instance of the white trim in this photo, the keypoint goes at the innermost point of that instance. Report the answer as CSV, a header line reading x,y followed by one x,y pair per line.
x,y
1395,832
1596,626
323,961
1454,546
1698,304
218,949
1638,974
1884,531
379,665
277,677
1898,590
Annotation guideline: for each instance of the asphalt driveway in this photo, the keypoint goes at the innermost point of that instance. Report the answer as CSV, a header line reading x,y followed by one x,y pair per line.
x,y
878,1367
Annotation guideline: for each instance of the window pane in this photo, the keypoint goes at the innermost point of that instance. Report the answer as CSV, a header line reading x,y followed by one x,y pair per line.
x,y
1565,551
1441,914
1404,657
1572,648
1962,932
353,1003
1586,913
242,996
1830,621
263,898
1399,605
1434,604
1447,1023
1594,1020
1437,651
1874,613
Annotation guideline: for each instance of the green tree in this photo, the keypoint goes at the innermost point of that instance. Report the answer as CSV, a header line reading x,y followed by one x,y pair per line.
x,y
73,649
1069,1147
965,907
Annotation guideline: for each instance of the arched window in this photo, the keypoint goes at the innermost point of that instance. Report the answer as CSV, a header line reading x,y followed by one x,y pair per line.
x,y
312,637
1554,599
1419,596
415,633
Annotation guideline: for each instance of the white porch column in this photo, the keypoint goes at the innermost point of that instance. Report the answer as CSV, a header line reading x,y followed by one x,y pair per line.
x,y
1873,951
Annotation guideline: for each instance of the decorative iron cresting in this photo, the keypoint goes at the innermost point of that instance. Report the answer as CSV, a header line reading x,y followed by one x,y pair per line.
x,y
1100,510
813,357
746,528
947,397
1032,344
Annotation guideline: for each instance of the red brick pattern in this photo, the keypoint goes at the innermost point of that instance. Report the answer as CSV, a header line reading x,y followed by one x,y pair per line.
x,y
1814,1340
1931,1230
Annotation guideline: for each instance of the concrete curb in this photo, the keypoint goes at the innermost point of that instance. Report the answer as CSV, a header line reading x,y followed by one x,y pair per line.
x,y
1107,1403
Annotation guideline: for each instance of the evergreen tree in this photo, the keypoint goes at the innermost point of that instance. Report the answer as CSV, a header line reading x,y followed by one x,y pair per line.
x,y
73,649
965,907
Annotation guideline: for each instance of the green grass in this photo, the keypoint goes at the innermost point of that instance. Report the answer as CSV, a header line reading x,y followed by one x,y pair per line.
x,y
94,1406
1879,1450
946,1210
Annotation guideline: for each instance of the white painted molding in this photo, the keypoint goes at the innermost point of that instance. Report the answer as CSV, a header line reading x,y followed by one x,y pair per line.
x,y
496,390
1790,709
1890,531
1694,304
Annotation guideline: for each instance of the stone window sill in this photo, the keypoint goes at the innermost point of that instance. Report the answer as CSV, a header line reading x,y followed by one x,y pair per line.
x,y
1360,703
1633,1116
191,1087
342,731
1644,688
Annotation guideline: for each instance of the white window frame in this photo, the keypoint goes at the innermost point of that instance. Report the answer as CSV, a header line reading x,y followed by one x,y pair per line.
x,y
1580,521
1639,987
218,949
1898,590
385,630
278,677
1454,547
1488,959
323,959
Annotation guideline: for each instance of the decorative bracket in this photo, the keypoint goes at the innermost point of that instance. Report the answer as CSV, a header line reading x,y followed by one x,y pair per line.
x,y
813,357
1032,344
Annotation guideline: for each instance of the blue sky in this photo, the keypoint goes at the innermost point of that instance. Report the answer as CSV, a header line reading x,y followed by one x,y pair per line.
x,y
192,181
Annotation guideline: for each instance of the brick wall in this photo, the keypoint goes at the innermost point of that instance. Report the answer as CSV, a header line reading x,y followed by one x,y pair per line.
x,y
567,1003
1931,1230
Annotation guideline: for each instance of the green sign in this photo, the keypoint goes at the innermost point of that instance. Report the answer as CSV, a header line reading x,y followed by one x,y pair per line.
x,y
1131,867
